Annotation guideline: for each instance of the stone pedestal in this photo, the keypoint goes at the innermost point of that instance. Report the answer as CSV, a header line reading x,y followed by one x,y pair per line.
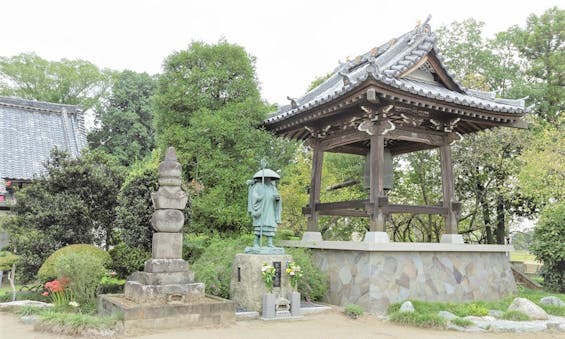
x,y
247,287
452,239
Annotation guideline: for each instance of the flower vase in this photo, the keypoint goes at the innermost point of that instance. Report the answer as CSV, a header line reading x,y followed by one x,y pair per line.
x,y
269,305
294,298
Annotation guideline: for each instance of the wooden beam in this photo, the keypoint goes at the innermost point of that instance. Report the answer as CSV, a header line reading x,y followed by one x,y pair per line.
x,y
447,188
423,137
416,209
376,156
346,137
345,213
315,184
340,205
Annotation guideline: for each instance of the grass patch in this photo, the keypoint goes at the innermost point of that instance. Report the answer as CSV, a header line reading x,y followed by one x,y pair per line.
x,y
478,309
426,320
353,311
515,315
524,256
75,323
462,322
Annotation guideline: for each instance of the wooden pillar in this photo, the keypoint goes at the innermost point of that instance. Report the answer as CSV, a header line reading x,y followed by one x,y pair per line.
x,y
315,183
376,156
448,191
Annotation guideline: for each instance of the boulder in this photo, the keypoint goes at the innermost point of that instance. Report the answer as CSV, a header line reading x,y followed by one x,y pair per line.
x,y
553,301
495,313
525,306
447,315
406,307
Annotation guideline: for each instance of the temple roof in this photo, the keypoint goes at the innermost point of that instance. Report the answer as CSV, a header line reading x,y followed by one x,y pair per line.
x,y
29,130
408,69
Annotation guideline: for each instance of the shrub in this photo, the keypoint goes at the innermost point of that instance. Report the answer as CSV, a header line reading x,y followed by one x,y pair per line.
x,y
47,270
110,284
6,260
214,266
194,245
426,320
84,273
314,283
353,311
548,246
126,259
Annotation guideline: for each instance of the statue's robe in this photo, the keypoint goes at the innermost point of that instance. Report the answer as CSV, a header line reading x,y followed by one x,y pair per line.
x,y
265,208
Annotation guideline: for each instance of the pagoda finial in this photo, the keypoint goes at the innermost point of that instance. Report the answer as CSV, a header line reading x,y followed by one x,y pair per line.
x,y
171,154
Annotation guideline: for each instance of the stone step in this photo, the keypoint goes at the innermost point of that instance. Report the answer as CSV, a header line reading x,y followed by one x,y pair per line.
x,y
165,294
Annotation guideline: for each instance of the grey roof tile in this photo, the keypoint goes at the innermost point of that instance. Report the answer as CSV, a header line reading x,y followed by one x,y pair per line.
x,y
29,130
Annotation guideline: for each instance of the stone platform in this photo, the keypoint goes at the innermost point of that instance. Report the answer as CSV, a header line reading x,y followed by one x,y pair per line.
x,y
208,310
247,287
374,275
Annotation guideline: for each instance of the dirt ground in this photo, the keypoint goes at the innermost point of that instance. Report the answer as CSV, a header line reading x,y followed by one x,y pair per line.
x,y
324,326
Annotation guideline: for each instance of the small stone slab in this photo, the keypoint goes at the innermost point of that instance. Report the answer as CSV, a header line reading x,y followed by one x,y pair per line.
x,y
164,278
447,315
165,265
16,305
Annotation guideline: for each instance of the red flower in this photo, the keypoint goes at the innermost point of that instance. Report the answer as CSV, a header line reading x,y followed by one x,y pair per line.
x,y
45,293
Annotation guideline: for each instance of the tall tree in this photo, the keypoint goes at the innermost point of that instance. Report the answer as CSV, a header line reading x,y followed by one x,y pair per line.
x,y
542,44
73,82
126,118
208,106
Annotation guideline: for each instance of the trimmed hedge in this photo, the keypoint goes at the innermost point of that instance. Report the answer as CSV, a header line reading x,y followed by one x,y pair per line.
x,y
47,270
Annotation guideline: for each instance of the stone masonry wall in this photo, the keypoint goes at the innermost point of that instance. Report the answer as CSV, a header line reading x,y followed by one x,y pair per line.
x,y
374,280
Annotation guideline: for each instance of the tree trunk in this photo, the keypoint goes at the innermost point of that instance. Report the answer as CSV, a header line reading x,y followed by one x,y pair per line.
x,y
500,220
486,213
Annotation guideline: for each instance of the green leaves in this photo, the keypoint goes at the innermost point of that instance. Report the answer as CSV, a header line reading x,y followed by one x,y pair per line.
x,y
74,82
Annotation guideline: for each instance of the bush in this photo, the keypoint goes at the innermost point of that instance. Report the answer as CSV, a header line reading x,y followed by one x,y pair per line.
x,y
84,273
6,260
353,311
47,270
314,283
193,246
548,246
426,320
126,259
214,266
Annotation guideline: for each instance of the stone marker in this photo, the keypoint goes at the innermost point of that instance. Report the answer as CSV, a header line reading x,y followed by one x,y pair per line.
x,y
406,307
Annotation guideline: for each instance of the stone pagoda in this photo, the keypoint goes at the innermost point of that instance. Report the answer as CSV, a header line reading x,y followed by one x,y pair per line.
x,y
165,294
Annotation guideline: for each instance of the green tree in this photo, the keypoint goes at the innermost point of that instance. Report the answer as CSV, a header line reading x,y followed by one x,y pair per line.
x,y
542,176
549,248
208,107
74,82
73,203
486,163
542,43
126,118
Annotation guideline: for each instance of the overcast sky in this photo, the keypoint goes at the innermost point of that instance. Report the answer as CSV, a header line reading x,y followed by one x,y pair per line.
x,y
293,41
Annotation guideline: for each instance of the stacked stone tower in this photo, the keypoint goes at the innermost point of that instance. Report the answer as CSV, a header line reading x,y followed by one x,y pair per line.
x,y
166,277
165,295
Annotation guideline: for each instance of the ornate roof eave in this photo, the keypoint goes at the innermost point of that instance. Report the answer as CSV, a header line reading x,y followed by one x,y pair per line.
x,y
393,90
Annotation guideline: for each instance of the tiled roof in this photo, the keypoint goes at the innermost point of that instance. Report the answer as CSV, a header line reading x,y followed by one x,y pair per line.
x,y
29,130
387,65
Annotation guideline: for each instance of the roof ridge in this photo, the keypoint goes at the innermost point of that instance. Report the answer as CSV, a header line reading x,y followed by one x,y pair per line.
x,y
37,105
